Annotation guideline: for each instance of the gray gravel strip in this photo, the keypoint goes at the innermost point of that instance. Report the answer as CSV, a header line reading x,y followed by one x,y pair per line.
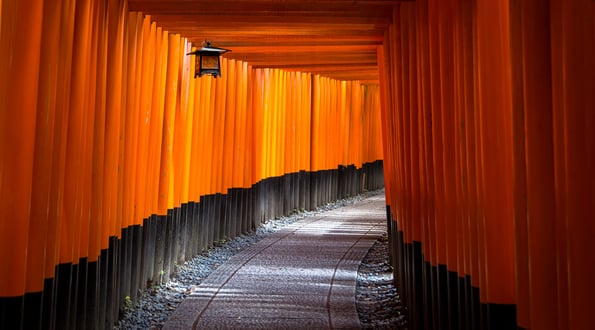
x,y
377,299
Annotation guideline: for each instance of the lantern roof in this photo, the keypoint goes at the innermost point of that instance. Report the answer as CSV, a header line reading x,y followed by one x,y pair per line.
x,y
207,48
213,49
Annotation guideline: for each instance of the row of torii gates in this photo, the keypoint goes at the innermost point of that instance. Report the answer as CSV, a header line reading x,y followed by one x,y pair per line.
x,y
477,117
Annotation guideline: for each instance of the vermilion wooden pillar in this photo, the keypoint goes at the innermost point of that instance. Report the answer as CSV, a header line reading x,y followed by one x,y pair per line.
x,y
21,39
469,149
229,126
438,108
573,85
518,161
468,274
100,41
155,129
131,122
166,179
113,118
541,214
77,174
42,230
495,106
242,144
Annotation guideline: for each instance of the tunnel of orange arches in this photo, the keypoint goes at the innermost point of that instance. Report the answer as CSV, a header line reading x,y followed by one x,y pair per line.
x,y
476,117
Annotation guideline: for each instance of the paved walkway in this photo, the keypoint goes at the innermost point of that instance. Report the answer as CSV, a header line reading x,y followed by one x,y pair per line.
x,y
301,277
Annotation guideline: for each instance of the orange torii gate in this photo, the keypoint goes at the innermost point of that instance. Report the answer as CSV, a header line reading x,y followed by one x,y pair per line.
x,y
488,137
117,164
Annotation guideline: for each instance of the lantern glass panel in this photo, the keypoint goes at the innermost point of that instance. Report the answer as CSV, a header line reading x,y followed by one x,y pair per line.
x,y
197,66
209,62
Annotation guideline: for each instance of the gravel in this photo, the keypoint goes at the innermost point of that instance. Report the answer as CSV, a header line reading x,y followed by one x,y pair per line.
x,y
377,299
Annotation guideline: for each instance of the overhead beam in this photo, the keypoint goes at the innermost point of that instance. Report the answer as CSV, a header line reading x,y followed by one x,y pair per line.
x,y
259,7
201,19
335,38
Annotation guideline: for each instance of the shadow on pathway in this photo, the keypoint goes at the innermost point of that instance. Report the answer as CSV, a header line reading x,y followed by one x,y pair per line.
x,y
303,276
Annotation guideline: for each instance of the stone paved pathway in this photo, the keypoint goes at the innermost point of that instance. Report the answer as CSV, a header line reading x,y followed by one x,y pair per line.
x,y
303,276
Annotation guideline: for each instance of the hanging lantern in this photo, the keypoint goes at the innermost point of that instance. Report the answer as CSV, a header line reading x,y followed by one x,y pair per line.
x,y
208,60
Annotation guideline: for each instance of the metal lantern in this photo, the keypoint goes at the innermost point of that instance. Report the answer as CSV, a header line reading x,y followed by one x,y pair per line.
x,y
208,60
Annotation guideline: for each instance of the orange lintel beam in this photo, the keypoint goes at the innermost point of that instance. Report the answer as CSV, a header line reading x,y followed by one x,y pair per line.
x,y
354,48
261,7
201,19
293,61
233,39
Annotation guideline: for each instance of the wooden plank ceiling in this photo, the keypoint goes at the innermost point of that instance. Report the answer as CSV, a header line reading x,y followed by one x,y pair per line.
x,y
333,38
